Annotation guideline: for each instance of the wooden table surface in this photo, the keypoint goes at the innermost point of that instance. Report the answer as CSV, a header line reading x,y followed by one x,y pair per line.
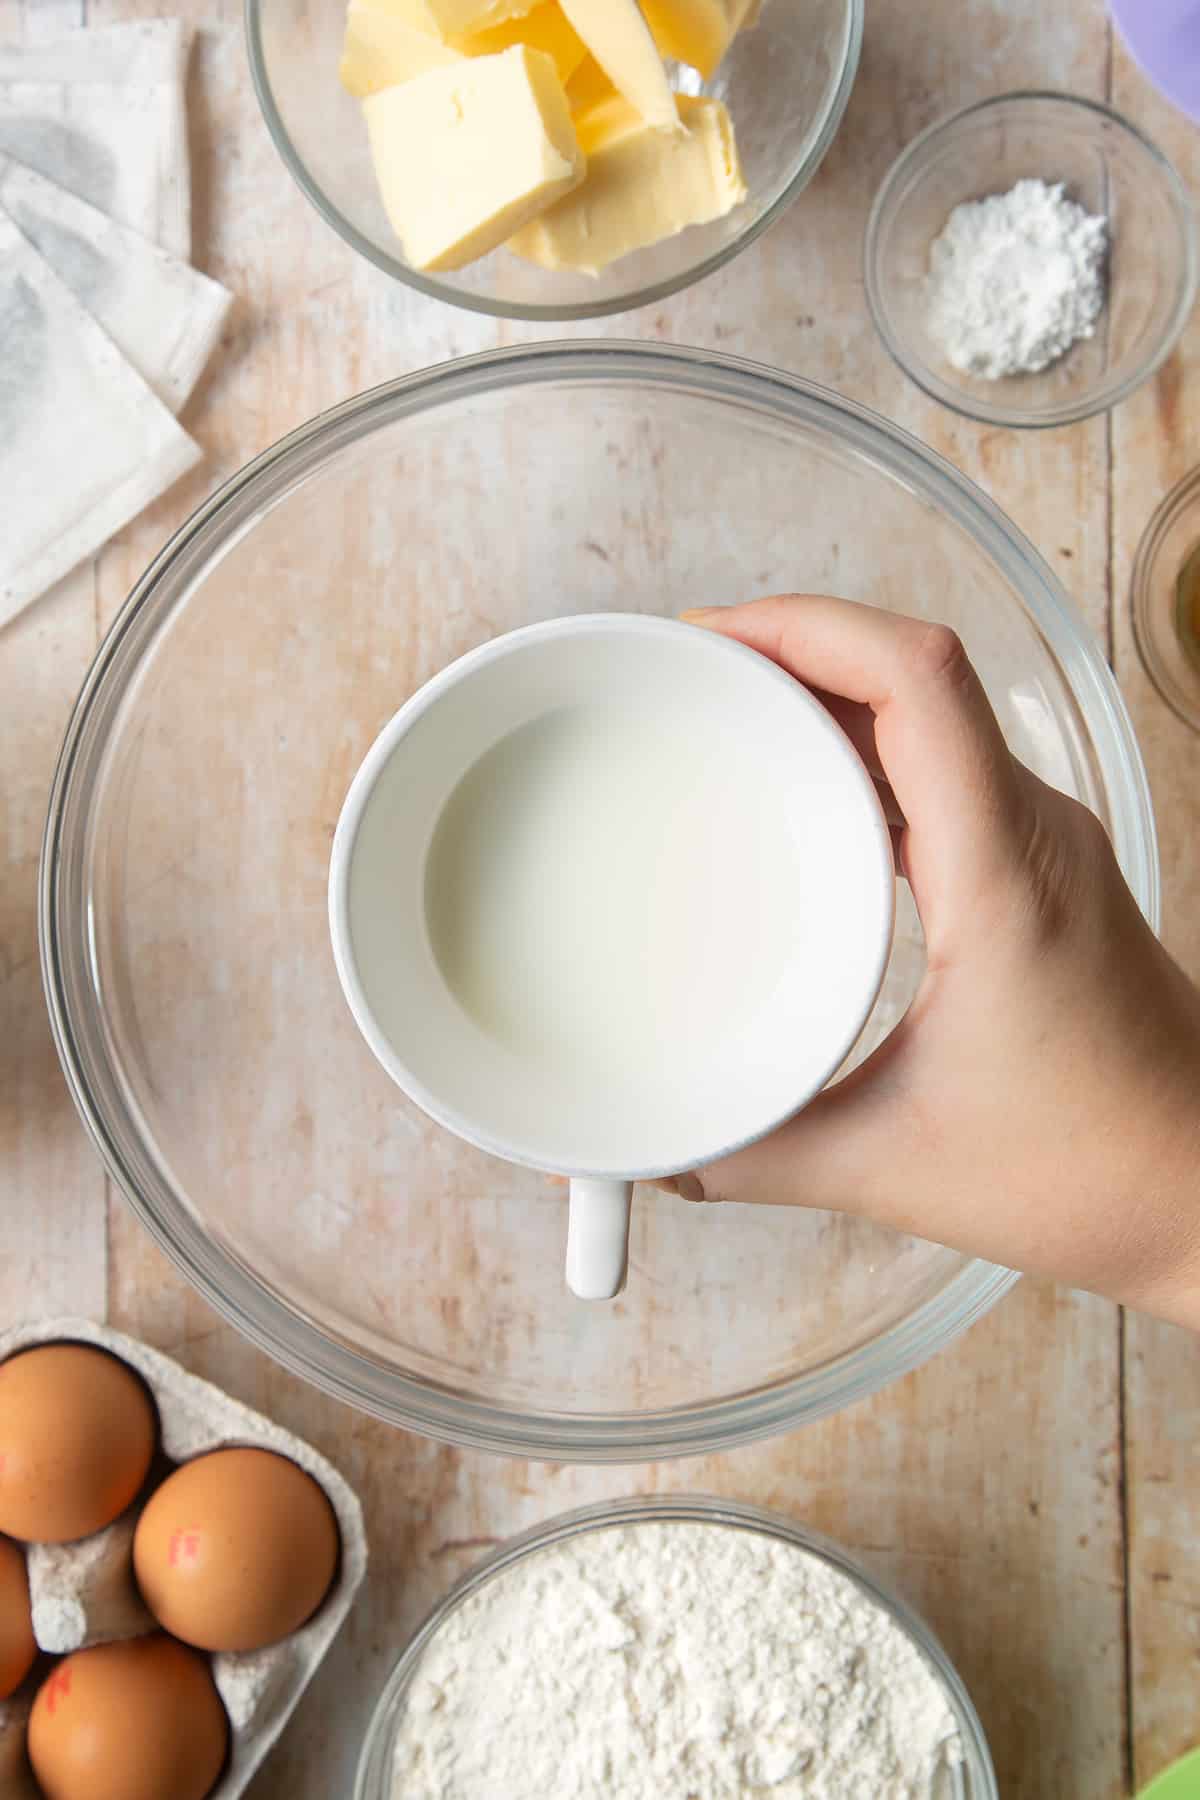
x,y
1035,1489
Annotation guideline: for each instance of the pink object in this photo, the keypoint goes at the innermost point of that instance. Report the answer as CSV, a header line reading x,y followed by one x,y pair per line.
x,y
1163,37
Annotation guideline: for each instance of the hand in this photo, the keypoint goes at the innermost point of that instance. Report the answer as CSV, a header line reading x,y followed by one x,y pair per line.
x,y
1037,1106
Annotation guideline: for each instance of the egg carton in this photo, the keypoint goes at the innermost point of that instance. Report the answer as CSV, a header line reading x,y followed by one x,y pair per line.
x,y
85,1593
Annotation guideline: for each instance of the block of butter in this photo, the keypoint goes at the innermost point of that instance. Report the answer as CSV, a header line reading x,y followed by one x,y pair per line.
x,y
619,38
466,155
545,28
642,185
449,19
588,86
381,49
696,32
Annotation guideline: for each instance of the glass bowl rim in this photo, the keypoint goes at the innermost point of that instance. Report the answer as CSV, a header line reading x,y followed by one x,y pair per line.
x,y
701,1509
1178,500
651,294
1107,395
263,1314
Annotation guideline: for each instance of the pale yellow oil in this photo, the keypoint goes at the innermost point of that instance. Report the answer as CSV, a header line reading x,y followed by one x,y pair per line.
x,y
1187,608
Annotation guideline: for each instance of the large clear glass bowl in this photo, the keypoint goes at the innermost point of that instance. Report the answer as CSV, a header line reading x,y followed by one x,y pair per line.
x,y
189,973
786,82
972,1779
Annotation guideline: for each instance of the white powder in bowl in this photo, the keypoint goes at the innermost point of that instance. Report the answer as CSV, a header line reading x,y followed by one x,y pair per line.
x,y
1015,280
673,1661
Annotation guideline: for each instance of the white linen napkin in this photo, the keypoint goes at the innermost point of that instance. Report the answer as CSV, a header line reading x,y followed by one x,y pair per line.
x,y
102,114
84,443
162,315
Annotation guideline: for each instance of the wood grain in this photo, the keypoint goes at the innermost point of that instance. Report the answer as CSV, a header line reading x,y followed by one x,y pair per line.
x,y
1156,441
993,1485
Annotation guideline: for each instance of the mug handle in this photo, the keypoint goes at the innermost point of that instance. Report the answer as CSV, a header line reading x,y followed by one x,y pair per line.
x,y
598,1237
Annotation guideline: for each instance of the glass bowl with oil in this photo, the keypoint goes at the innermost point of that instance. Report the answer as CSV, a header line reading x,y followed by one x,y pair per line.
x,y
1166,599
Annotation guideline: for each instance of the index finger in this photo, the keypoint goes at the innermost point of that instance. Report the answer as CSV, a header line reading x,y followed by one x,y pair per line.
x,y
938,739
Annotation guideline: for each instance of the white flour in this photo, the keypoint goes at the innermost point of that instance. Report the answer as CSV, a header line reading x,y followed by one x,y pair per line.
x,y
1015,280
672,1661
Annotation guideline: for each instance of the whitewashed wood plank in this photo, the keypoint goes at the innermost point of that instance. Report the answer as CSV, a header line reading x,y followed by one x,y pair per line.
x,y
988,1483
1156,439
52,1214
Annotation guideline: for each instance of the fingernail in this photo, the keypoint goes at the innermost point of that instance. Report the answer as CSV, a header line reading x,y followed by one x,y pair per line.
x,y
695,614
688,1187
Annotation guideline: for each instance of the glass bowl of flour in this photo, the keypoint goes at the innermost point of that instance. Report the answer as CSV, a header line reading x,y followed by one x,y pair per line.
x,y
185,929
1031,260
666,1648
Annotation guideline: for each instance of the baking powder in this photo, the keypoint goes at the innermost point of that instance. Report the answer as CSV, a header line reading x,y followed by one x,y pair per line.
x,y
1015,280
672,1661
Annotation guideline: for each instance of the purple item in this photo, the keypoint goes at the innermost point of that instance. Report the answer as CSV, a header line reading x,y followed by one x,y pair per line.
x,y
1163,36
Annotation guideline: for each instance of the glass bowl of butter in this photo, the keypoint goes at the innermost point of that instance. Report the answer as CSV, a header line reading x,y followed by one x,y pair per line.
x,y
560,160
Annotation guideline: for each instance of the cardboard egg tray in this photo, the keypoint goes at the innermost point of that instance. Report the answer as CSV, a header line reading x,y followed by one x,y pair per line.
x,y
84,1593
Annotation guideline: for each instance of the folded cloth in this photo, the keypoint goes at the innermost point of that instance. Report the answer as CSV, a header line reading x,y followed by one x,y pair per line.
x,y
162,315
102,114
144,52
84,443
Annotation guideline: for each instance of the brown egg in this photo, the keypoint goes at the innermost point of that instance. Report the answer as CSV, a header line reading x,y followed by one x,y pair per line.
x,y
77,1432
133,1721
236,1550
17,1645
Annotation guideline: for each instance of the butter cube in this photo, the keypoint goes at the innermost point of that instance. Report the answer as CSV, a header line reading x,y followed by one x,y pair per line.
x,y
588,86
380,50
642,186
467,155
696,32
598,127
449,19
619,38
545,28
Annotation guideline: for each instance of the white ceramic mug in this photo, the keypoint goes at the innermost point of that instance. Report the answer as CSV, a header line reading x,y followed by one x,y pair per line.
x,y
612,897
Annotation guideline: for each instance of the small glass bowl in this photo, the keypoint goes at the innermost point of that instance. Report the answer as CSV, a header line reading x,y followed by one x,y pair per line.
x,y
1108,167
1171,539
973,1779
786,81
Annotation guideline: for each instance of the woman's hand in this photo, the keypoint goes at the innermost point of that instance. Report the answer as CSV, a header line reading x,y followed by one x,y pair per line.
x,y
1038,1105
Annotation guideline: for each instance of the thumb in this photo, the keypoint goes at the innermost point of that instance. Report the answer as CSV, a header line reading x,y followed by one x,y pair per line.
x,y
839,1154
